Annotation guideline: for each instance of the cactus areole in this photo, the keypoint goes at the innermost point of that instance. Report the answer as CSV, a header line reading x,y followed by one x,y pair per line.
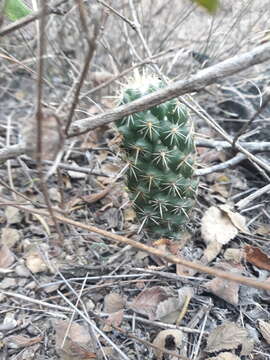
x,y
158,146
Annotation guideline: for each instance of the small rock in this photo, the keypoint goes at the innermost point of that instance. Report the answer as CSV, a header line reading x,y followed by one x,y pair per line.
x,y
22,282
8,283
10,237
35,263
31,286
22,271
90,305
13,215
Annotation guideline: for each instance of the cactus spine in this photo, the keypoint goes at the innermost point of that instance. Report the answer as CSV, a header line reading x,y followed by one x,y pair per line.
x,y
159,149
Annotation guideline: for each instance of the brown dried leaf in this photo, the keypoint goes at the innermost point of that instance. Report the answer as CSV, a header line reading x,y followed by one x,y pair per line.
x,y
6,257
167,339
113,302
217,227
226,337
211,252
168,310
93,198
89,199
237,220
147,301
257,257
77,343
19,341
114,319
265,330
225,289
224,356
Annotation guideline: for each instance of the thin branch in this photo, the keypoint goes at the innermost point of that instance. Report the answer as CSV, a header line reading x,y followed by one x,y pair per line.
x,y
226,164
117,13
244,202
222,145
194,83
92,45
248,123
40,115
28,19
11,152
151,250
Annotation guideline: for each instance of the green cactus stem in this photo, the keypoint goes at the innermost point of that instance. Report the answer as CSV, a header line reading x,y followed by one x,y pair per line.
x,y
158,146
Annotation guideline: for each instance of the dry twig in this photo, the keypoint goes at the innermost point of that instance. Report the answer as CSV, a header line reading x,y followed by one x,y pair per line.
x,y
151,250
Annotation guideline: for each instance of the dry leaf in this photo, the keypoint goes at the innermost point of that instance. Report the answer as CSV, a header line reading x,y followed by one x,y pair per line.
x,y
89,199
211,252
113,302
227,337
114,319
167,339
238,220
147,301
77,343
234,255
224,356
6,257
93,198
265,330
19,341
217,227
34,262
256,257
10,237
168,310
225,289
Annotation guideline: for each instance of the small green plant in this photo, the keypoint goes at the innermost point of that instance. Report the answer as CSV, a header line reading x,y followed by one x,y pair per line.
x,y
16,9
158,147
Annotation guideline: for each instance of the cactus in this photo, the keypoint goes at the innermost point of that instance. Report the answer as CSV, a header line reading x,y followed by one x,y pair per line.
x,y
158,146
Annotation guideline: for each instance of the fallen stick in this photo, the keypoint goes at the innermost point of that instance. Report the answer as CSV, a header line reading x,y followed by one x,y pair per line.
x,y
194,83
151,250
